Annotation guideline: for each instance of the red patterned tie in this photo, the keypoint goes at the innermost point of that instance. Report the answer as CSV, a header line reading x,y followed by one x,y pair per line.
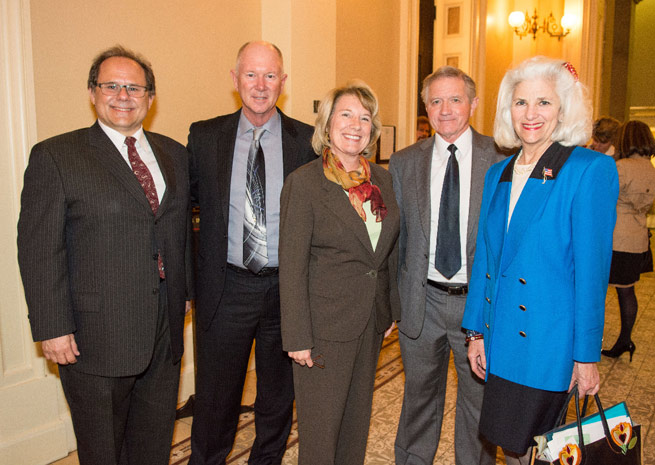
x,y
142,173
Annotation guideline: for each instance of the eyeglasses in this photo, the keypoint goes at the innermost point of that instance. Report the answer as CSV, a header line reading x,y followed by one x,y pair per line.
x,y
319,362
113,89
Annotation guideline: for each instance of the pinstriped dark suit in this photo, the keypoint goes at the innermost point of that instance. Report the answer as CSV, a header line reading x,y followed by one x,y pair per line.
x,y
87,243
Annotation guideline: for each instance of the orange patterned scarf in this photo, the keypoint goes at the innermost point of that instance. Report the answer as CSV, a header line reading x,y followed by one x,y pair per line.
x,y
357,183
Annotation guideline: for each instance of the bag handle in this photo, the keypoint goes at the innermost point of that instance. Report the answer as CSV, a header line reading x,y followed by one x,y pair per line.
x,y
601,412
561,416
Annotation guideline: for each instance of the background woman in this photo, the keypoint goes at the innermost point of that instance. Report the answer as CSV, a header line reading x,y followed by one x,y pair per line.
x,y
536,302
603,134
338,259
635,146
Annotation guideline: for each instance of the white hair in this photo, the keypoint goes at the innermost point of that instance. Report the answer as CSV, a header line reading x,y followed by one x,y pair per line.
x,y
575,114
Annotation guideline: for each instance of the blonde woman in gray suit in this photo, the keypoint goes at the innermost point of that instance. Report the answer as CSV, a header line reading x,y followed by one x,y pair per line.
x,y
338,258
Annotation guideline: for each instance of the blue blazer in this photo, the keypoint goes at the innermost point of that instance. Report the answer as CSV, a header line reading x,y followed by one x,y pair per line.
x,y
537,290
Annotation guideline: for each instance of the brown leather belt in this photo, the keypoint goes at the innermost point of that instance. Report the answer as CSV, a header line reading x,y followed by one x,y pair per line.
x,y
462,289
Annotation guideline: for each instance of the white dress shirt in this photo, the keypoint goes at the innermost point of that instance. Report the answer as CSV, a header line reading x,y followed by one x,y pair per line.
x,y
440,155
145,153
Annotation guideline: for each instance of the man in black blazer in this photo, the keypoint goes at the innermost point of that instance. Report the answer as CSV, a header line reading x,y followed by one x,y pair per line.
x,y
103,241
236,305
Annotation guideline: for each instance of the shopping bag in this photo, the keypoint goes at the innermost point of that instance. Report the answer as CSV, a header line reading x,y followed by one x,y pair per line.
x,y
600,443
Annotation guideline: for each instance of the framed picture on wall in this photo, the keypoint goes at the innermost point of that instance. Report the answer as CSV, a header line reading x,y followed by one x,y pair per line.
x,y
386,144
452,60
452,20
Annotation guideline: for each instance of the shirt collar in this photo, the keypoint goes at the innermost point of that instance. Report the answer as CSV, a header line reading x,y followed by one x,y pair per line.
x,y
118,139
464,144
273,125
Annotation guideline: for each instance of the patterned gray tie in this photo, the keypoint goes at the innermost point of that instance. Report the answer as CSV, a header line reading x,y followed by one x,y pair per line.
x,y
255,255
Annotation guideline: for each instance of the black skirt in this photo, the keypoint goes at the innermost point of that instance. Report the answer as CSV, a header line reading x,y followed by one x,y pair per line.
x,y
627,266
512,414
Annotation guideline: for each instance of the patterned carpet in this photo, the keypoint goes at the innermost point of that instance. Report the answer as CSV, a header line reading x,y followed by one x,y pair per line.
x,y
620,380
387,402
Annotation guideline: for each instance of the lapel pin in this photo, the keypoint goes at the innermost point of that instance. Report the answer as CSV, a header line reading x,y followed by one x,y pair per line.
x,y
548,173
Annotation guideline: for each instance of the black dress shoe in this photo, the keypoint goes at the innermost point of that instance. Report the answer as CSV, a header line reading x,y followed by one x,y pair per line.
x,y
618,350
186,410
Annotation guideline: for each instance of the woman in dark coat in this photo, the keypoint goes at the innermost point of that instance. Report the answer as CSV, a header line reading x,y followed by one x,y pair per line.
x,y
338,259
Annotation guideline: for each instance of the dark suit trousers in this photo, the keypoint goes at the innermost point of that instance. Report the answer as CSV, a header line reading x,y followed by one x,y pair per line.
x,y
334,402
126,420
425,360
249,309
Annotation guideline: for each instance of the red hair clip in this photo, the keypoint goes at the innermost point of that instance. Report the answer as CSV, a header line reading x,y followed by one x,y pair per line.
x,y
571,70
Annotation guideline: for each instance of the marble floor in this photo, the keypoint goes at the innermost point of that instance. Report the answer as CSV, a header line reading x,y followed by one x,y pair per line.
x,y
620,380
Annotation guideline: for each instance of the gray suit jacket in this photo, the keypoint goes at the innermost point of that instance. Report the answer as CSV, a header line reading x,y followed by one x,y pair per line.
x,y
87,249
331,279
410,169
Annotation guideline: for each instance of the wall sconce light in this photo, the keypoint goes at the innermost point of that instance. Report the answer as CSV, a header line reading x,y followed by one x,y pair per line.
x,y
525,24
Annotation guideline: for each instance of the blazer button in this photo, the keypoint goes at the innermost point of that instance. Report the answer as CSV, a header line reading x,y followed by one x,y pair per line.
x,y
154,256
522,307
522,334
487,325
488,277
373,273
155,290
488,300
522,281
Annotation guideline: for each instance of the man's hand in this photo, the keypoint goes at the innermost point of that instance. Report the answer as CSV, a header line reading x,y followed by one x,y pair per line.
x,y
477,359
61,350
586,376
302,357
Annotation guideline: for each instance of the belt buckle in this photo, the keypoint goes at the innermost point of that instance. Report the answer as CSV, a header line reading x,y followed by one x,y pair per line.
x,y
457,290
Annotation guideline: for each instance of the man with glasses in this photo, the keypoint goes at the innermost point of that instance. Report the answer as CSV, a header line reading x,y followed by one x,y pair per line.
x,y
103,237
238,164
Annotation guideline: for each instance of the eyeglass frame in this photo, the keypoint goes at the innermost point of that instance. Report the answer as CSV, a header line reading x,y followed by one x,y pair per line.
x,y
129,92
319,361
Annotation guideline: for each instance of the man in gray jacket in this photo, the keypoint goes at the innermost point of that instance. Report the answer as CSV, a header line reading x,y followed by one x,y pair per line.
x,y
438,183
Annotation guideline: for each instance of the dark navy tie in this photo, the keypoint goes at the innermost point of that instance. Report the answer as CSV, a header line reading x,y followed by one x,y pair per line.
x,y
448,255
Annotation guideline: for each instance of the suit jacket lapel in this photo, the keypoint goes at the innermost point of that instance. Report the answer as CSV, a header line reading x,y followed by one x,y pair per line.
x,y
479,166
496,222
168,172
225,156
536,192
336,200
108,156
386,233
290,150
422,173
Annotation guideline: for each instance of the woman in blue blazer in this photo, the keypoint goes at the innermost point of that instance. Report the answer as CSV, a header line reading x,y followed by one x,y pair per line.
x,y
535,310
